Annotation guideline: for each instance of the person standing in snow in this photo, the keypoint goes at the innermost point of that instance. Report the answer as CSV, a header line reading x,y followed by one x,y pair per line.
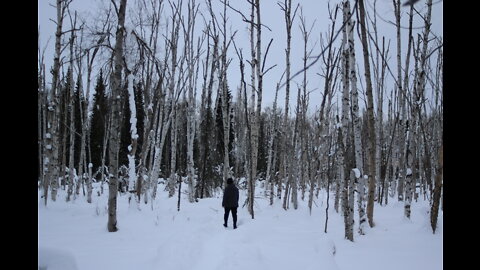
x,y
230,202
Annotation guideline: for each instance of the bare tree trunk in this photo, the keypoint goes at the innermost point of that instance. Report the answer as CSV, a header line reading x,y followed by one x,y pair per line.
x,y
398,156
418,99
437,190
256,76
356,121
285,176
132,175
172,181
248,170
53,114
71,167
191,62
84,109
225,102
41,116
165,120
150,93
114,141
347,183
303,117
63,129
329,178
296,155
403,111
381,170
104,151
370,120
272,155
207,100
85,128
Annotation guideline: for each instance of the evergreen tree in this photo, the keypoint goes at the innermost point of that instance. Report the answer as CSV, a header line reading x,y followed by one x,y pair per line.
x,y
218,131
262,151
219,139
125,137
98,123
205,158
77,102
182,139
137,89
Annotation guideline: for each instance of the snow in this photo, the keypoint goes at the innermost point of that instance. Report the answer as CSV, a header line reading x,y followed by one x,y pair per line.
x,y
357,172
133,110
74,235
55,259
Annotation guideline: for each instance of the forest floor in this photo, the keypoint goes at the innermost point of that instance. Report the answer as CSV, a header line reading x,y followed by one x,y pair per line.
x,y
74,235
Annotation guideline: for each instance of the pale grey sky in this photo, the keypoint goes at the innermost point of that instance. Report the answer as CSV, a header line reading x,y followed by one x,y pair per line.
x,y
272,16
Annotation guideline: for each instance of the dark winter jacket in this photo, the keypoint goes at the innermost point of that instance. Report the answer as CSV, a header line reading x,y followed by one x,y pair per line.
x,y
230,196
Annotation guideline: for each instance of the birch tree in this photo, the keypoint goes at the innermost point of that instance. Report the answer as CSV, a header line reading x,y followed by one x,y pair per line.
x,y
356,120
348,182
271,158
289,18
330,78
370,117
71,168
132,174
436,191
85,120
211,63
114,139
403,123
166,115
253,135
53,110
41,118
418,99
224,94
192,60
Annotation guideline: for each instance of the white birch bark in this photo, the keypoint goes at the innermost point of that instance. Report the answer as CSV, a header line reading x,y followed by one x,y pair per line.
x,y
114,140
191,104
347,183
418,92
53,111
71,109
403,130
85,120
166,117
284,177
132,175
370,153
356,121
270,159
397,152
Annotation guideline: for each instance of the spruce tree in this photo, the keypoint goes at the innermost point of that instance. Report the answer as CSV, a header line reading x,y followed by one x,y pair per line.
x,y
137,89
78,122
125,137
98,123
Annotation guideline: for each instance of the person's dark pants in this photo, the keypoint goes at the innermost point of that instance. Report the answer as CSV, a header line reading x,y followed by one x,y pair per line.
x,y
234,215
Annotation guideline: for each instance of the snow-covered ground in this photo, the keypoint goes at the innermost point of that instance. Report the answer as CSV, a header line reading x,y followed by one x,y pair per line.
x,y
74,236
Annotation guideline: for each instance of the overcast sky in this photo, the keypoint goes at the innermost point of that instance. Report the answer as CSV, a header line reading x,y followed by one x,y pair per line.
x,y
272,16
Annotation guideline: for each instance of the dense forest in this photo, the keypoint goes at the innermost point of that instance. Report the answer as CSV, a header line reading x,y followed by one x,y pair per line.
x,y
158,105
